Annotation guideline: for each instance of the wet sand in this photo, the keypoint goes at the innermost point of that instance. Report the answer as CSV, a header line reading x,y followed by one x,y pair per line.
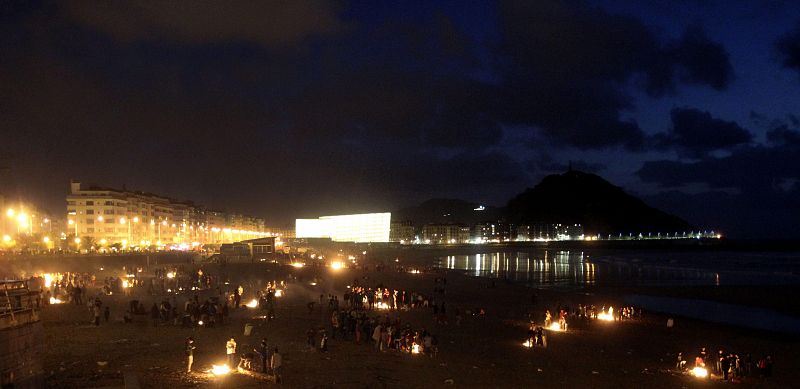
x,y
482,352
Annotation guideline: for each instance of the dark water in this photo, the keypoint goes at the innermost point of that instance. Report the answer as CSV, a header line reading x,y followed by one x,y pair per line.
x,y
739,315
575,268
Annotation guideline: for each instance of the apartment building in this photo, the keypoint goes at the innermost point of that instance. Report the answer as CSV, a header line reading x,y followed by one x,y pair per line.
x,y
131,218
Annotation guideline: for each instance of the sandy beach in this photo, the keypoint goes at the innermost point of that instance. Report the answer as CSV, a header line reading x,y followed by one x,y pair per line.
x,y
481,352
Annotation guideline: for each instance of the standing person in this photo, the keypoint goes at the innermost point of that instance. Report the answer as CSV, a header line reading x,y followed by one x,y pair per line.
x,y
376,336
189,353
230,349
107,313
263,351
96,310
155,314
275,363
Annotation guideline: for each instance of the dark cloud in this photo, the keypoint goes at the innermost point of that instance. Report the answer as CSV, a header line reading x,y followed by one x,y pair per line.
x,y
788,48
200,22
301,104
753,192
567,65
754,168
700,60
696,133
784,132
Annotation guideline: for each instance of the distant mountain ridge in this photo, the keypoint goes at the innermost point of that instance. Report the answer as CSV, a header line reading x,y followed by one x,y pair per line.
x,y
571,197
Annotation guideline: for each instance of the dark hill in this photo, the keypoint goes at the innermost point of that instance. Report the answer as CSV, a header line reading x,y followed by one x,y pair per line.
x,y
447,211
578,197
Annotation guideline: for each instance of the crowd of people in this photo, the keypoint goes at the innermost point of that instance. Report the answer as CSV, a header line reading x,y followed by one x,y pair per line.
x,y
728,366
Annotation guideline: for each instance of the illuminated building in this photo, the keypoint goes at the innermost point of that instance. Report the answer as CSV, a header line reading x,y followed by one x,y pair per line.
x,y
550,231
492,232
445,233
365,227
402,232
131,218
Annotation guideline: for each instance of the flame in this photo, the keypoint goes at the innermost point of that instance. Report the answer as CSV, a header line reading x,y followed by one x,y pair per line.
x,y
200,323
297,264
171,275
700,372
252,304
381,305
54,300
555,327
415,348
48,280
606,316
336,265
278,292
527,343
220,369
125,284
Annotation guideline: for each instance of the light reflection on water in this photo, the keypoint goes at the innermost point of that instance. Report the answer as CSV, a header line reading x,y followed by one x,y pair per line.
x,y
559,268
574,268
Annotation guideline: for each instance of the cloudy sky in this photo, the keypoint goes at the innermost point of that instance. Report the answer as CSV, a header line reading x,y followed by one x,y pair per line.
x,y
315,107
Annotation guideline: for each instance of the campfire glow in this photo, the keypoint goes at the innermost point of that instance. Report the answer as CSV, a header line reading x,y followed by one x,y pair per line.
x,y
609,316
278,292
700,372
220,369
297,264
527,343
125,284
381,305
415,348
415,271
336,265
555,327
54,300
48,280
252,304
171,275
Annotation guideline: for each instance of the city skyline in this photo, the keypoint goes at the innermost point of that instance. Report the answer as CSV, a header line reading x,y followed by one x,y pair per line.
x,y
331,108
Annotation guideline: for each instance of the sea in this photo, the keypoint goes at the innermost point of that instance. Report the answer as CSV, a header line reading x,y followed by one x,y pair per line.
x,y
562,268
629,268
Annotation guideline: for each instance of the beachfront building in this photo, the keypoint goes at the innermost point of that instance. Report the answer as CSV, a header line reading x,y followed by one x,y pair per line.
x,y
492,232
364,227
402,232
447,233
549,231
107,216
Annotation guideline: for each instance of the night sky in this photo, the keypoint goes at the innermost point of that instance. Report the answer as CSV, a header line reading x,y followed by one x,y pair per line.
x,y
321,107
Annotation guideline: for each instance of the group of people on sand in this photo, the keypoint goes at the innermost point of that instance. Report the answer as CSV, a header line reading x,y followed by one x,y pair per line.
x,y
728,366
382,332
271,360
